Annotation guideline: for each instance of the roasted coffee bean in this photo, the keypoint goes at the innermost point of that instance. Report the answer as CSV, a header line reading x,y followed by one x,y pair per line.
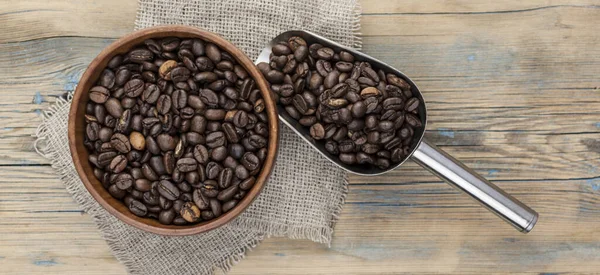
x,y
169,44
115,61
209,98
99,94
213,52
190,212
128,102
352,97
186,165
157,165
373,137
120,142
295,41
331,79
123,123
168,190
201,201
413,120
280,49
340,134
250,161
393,103
215,207
225,178
229,205
370,73
166,142
346,56
382,163
343,66
325,53
92,131
165,203
247,183
412,104
140,55
228,193
332,147
184,187
114,191
179,221
363,158
257,141
215,139
274,76
138,208
166,216
113,107
359,138
142,185
213,126
366,81
123,181
136,123
137,141
134,88
213,170
118,164
347,158
180,74
317,131
215,114
385,126
359,109
179,99
301,53
219,153
308,121
339,90
105,158
393,143
341,116
397,81
163,104
346,146
356,125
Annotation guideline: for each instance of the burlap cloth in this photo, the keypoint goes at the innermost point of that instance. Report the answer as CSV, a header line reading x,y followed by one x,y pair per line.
x,y
305,193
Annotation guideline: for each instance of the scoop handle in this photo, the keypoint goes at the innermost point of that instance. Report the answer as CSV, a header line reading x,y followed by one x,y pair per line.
x,y
486,193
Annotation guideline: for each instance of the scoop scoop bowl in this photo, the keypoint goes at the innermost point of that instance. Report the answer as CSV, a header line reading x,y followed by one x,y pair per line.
x,y
422,152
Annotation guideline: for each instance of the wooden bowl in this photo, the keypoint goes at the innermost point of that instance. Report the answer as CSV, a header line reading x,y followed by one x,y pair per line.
x,y
77,130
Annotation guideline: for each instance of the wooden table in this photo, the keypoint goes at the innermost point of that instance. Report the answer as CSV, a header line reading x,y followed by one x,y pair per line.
x,y
512,89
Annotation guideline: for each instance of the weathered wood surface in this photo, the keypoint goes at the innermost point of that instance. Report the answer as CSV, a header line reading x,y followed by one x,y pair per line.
x,y
512,89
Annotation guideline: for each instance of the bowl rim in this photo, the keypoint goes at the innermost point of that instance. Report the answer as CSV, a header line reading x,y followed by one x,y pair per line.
x,y
79,152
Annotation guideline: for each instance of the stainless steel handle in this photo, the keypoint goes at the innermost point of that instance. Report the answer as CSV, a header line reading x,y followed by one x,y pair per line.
x,y
487,194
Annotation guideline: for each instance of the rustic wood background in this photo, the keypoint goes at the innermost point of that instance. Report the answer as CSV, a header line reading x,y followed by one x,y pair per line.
x,y
512,89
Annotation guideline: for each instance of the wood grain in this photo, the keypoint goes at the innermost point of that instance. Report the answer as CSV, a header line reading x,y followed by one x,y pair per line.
x,y
512,89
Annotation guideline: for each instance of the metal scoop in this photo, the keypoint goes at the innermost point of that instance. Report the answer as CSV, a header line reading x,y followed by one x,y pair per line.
x,y
424,153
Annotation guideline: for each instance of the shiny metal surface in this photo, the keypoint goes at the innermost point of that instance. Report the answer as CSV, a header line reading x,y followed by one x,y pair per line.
x,y
427,155
487,194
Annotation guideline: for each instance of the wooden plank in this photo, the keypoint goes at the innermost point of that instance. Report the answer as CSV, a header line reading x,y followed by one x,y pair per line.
x,y
27,20
465,6
383,228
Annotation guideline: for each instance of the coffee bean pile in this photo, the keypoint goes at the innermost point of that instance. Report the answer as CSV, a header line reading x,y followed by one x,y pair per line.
x,y
364,116
176,129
